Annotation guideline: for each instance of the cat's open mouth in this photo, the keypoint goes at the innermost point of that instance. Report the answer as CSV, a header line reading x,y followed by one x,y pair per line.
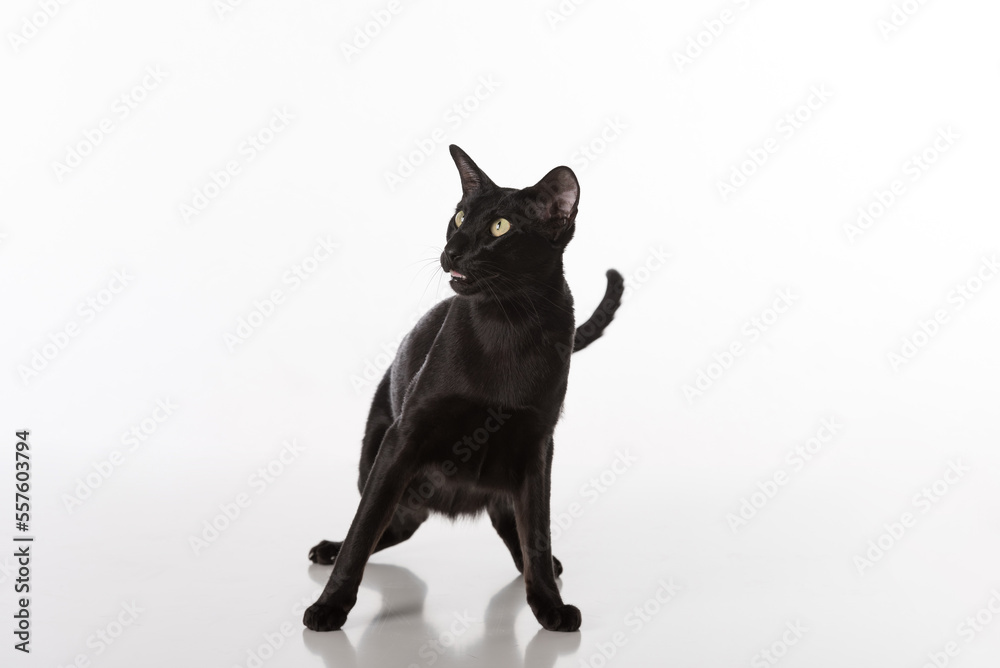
x,y
463,284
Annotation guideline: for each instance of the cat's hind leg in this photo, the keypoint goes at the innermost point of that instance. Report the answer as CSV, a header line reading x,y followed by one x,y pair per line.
x,y
501,512
405,522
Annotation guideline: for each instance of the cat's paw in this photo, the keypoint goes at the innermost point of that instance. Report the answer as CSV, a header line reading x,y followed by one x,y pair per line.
x,y
560,618
324,617
325,552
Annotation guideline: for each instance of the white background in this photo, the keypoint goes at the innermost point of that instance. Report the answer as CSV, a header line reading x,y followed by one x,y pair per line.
x,y
661,135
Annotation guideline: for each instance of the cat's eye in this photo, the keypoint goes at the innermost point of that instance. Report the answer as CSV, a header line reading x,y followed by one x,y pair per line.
x,y
500,227
459,217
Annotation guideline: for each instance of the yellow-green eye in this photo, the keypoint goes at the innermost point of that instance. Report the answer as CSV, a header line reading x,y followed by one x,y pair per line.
x,y
459,217
500,227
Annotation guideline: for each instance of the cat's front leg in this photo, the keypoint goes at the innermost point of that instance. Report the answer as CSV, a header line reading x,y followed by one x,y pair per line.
x,y
390,474
531,508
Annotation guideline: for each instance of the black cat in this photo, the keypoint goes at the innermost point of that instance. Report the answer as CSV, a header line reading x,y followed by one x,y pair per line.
x,y
463,419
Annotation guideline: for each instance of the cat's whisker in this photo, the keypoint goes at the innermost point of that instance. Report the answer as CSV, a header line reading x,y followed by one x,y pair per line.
x,y
512,283
428,284
425,263
498,303
521,301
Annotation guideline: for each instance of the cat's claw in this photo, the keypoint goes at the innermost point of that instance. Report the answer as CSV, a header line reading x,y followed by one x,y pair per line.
x,y
323,617
325,552
561,618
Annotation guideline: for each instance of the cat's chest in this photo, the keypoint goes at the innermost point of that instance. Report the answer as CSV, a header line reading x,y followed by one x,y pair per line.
x,y
492,359
508,370
513,378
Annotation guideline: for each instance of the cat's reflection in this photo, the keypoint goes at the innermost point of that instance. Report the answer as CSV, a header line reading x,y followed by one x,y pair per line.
x,y
401,637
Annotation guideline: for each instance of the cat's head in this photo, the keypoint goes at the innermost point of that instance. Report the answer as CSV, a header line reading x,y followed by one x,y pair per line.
x,y
503,239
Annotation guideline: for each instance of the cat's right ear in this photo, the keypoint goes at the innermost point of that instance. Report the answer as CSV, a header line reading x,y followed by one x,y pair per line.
x,y
473,178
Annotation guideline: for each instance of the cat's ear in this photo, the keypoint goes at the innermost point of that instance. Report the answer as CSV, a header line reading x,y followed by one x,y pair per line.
x,y
555,199
473,178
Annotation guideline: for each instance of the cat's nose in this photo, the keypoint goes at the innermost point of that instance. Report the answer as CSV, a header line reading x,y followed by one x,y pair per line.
x,y
452,253
448,258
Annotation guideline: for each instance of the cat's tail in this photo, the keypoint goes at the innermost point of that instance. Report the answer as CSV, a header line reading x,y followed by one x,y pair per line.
x,y
591,330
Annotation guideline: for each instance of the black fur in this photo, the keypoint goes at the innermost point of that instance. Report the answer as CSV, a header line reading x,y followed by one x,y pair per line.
x,y
463,420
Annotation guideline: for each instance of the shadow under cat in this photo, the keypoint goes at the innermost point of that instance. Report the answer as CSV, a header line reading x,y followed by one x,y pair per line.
x,y
401,636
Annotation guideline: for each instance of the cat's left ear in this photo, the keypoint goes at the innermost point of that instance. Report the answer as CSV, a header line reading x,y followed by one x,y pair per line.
x,y
555,200
473,178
